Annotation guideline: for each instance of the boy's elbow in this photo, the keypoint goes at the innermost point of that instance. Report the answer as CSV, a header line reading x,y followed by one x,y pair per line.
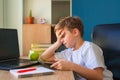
x,y
41,57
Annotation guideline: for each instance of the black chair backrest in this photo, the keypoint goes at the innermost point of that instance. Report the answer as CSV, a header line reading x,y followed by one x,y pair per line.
x,y
107,36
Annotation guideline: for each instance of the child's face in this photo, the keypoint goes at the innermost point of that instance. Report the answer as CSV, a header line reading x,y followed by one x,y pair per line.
x,y
68,38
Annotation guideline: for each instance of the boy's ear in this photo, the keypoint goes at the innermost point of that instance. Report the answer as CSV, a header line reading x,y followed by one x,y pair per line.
x,y
76,31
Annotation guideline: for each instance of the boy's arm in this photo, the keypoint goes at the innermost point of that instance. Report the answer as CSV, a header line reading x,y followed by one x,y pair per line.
x,y
95,74
89,74
48,55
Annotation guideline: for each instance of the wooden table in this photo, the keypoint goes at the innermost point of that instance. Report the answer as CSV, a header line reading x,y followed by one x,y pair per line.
x,y
58,75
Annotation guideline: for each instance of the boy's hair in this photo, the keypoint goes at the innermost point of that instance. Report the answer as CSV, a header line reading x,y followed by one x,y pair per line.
x,y
71,23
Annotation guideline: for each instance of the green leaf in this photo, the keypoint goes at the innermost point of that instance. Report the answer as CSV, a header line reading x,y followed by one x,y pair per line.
x,y
30,13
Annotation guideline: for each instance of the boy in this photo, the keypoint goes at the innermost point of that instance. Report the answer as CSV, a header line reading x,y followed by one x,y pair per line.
x,y
84,58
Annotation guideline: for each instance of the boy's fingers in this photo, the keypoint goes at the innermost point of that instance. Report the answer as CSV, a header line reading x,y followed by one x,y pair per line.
x,y
62,34
57,60
54,64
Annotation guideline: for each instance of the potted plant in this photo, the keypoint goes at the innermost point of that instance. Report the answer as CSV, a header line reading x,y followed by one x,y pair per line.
x,y
30,18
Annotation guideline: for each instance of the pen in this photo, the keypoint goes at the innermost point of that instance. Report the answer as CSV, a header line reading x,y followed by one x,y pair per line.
x,y
26,70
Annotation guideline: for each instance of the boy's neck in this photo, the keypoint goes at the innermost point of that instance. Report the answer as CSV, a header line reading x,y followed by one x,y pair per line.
x,y
79,43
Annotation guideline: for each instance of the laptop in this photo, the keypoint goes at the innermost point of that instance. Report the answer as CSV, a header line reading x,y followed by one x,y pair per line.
x,y
9,51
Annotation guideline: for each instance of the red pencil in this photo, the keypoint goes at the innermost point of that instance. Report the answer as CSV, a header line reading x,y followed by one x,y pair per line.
x,y
26,70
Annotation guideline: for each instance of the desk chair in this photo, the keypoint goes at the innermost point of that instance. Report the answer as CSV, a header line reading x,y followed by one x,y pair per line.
x,y
107,36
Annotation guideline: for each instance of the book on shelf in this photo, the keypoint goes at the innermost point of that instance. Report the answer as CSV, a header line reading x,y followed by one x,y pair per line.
x,y
32,71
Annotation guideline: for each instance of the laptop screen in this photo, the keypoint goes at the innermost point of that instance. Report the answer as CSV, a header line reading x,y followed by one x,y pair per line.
x,y
9,47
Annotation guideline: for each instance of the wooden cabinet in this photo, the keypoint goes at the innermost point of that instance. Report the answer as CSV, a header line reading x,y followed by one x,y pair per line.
x,y
35,34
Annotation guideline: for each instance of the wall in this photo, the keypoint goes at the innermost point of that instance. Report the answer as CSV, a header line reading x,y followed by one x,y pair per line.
x,y
95,12
13,17
40,9
1,13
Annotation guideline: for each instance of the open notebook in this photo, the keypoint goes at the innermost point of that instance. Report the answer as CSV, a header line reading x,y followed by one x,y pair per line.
x,y
32,71
9,51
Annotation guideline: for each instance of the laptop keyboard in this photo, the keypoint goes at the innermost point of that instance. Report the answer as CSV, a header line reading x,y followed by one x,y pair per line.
x,y
21,63
17,63
24,60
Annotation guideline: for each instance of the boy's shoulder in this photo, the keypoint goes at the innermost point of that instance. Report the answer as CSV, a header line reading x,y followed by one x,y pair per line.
x,y
91,45
88,43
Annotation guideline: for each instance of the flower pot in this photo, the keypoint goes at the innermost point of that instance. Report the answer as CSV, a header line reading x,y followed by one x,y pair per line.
x,y
30,20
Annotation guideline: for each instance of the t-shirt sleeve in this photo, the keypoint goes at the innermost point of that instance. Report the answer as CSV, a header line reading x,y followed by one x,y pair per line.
x,y
94,57
63,54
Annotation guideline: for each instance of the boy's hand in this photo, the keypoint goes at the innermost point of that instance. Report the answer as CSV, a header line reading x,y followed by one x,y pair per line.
x,y
63,65
59,34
